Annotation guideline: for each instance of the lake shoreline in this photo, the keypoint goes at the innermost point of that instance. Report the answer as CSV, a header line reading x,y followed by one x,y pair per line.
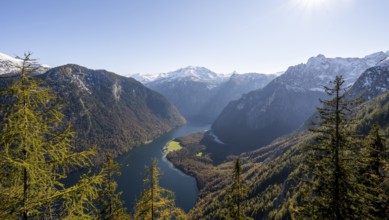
x,y
184,186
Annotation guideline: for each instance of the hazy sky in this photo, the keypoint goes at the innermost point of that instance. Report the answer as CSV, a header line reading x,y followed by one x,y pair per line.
x,y
148,36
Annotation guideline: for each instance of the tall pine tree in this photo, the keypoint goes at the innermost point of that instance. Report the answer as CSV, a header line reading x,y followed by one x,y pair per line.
x,y
36,153
331,189
155,201
374,157
112,208
236,192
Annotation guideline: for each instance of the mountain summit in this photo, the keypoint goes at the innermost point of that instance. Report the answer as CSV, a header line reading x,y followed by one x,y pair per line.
x,y
195,73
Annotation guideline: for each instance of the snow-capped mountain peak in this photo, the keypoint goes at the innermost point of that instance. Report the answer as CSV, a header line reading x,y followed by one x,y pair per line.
x,y
319,70
5,57
145,78
313,60
192,73
373,82
10,65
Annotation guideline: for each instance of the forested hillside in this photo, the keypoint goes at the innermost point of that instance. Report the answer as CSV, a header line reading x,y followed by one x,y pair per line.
x,y
272,173
112,112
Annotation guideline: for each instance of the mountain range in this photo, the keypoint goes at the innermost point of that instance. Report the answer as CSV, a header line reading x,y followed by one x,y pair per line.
x,y
260,117
270,171
199,93
249,110
286,102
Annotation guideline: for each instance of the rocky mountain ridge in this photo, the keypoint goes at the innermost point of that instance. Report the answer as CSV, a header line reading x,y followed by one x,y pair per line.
x,y
286,102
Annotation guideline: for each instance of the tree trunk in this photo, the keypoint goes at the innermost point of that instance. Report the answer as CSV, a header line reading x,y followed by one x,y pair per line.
x,y
336,159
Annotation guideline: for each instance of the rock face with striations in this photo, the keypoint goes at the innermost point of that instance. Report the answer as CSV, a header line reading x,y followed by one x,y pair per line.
x,y
285,103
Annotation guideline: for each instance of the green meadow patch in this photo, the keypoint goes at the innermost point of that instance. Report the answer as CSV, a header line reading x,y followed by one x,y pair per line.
x,y
172,146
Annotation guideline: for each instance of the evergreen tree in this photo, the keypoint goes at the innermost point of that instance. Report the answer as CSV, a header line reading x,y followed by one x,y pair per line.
x,y
111,206
331,190
374,176
155,201
79,201
36,153
236,192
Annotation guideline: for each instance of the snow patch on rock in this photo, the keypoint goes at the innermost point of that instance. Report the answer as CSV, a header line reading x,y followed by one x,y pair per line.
x,y
116,91
76,80
317,89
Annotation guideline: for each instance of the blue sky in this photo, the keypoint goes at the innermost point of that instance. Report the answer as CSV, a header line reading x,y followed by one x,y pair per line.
x,y
149,36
